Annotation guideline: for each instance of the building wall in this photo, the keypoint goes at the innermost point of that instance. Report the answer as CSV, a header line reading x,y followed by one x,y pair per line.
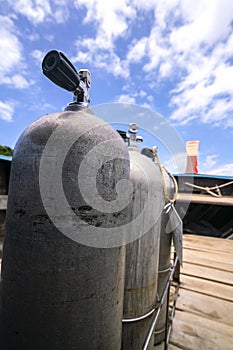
x,y
4,176
2,223
5,166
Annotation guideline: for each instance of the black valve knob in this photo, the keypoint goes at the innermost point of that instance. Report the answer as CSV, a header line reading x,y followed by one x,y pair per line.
x,y
60,70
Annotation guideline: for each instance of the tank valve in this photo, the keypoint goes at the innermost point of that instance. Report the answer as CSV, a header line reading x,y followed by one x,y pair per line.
x,y
61,71
133,137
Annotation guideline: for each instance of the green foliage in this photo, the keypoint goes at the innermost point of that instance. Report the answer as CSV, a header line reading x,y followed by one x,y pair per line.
x,y
6,151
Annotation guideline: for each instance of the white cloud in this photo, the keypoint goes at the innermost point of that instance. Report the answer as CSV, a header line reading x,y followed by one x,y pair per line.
x,y
137,50
96,53
207,98
6,110
209,162
35,10
50,37
190,43
111,22
125,99
11,57
211,165
204,47
61,14
17,81
143,93
38,55
150,98
224,169
189,46
110,17
39,11
157,50
139,97
146,105
165,70
33,36
10,46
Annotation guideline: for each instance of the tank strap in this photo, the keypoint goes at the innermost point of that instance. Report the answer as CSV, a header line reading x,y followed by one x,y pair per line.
x,y
161,168
165,270
135,319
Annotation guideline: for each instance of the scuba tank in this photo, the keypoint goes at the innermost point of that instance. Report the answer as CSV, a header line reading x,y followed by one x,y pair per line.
x,y
170,189
58,291
142,254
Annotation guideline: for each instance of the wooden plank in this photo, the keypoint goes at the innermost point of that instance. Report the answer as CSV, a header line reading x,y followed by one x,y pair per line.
x,y
192,332
218,251
205,306
200,285
211,259
207,273
212,243
205,199
209,246
203,238
170,347
173,347
204,309
215,255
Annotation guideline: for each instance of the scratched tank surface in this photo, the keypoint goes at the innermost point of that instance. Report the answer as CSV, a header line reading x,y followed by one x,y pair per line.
x,y
142,254
164,263
55,292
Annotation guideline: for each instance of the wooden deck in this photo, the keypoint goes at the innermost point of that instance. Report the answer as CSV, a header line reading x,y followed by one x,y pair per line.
x,y
204,310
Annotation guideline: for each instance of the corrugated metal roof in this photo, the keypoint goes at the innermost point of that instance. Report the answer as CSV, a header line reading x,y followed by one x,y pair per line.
x,y
2,157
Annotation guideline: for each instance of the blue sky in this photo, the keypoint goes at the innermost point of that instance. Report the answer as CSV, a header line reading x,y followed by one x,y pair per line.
x,y
174,57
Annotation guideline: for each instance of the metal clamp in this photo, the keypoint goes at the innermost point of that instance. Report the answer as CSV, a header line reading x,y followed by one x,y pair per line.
x,y
128,320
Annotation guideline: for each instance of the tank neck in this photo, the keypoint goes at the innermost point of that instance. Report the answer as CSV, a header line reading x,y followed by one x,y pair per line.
x,y
76,106
134,138
131,138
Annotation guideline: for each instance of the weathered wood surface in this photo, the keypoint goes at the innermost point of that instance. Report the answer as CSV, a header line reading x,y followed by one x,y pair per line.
x,y
216,260
208,273
170,347
204,310
205,305
207,287
192,332
213,244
